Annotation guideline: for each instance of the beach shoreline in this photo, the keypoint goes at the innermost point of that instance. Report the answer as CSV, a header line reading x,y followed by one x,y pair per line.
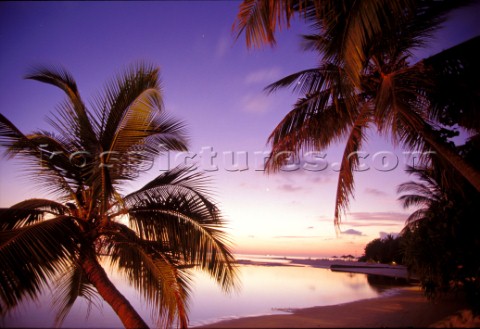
x,y
407,307
396,307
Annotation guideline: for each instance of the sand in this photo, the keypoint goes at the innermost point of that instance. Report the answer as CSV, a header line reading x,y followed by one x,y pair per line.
x,y
407,308
401,307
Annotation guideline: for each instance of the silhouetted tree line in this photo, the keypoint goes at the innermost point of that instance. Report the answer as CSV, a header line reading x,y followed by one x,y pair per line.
x,y
385,250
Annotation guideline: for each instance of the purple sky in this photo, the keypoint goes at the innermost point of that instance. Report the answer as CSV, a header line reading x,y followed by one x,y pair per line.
x,y
215,85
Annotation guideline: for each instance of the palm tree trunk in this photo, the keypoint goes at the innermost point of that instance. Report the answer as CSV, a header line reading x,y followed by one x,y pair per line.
x,y
97,276
465,169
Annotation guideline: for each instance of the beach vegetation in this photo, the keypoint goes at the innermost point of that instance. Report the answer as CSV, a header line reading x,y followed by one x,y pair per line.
x,y
388,250
441,240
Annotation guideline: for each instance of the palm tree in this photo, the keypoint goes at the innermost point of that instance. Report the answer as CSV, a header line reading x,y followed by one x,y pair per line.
x,y
153,236
366,79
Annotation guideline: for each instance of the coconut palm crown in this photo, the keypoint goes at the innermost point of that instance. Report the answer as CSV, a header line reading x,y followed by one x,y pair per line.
x,y
153,236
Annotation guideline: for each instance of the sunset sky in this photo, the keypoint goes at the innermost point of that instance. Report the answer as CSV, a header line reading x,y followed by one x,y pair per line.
x,y
215,85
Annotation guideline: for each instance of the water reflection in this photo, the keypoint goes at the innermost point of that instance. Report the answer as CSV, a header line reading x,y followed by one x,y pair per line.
x,y
273,289
381,283
264,290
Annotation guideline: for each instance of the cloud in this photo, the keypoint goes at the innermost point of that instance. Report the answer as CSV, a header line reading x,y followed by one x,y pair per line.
x,y
369,223
321,179
375,192
375,219
258,103
263,76
223,45
295,172
289,188
379,216
352,232
297,236
324,218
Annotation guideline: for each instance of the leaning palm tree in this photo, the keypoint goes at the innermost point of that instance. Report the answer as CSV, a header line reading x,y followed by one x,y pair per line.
x,y
342,100
153,236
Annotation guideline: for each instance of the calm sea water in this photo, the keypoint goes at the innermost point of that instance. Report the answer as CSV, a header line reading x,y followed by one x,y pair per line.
x,y
264,290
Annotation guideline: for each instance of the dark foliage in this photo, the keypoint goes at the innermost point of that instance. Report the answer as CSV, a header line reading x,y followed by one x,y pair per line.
x,y
387,250
441,240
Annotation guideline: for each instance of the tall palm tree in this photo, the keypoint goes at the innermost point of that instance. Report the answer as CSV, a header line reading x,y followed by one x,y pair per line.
x,y
380,87
153,236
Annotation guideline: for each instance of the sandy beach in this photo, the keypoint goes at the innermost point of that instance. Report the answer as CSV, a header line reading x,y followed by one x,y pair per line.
x,y
399,307
407,308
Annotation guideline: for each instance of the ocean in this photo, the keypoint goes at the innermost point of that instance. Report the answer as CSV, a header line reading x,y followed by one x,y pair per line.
x,y
268,286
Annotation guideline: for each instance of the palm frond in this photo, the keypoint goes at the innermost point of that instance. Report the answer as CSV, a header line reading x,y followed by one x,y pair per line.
x,y
409,200
29,212
33,256
133,129
400,107
259,19
328,77
46,154
68,288
163,285
417,215
175,209
164,135
126,101
77,115
178,177
321,117
305,128
323,78
201,245
345,31
350,161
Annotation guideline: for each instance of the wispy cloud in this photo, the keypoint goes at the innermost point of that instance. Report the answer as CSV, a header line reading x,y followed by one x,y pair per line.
x,y
258,103
290,188
379,216
375,219
299,170
370,223
224,43
297,236
324,218
352,232
375,192
322,179
263,76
